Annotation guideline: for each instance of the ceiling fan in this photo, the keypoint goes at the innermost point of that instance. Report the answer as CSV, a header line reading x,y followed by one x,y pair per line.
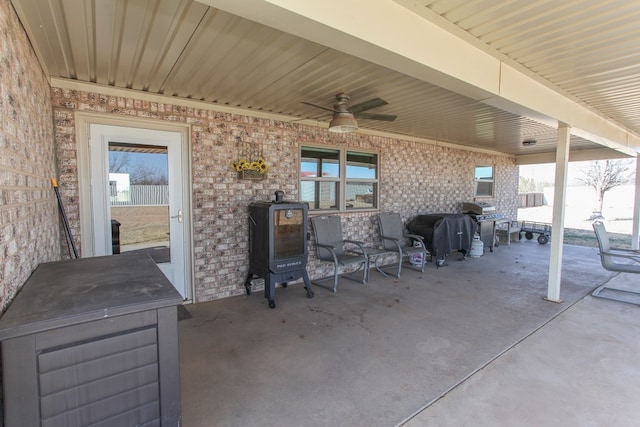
x,y
344,117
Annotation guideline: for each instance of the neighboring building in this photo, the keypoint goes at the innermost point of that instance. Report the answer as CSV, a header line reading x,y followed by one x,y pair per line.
x,y
119,188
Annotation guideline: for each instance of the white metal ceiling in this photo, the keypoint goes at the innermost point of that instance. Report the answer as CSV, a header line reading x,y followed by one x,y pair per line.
x,y
586,49
589,49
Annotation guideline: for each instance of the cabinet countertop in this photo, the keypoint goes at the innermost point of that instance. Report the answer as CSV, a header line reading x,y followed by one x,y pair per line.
x,y
74,291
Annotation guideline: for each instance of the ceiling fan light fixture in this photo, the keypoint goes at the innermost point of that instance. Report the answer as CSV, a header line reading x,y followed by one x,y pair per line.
x,y
343,123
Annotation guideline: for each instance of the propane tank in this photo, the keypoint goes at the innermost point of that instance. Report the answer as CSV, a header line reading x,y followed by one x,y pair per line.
x,y
477,247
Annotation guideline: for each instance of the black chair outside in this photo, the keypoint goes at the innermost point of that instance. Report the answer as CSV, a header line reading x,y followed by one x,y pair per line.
x,y
618,260
396,240
331,247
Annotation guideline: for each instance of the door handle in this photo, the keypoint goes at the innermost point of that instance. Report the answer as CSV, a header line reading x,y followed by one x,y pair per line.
x,y
179,216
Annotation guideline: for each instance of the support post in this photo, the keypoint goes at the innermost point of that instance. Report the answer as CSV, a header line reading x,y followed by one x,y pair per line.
x,y
557,226
635,234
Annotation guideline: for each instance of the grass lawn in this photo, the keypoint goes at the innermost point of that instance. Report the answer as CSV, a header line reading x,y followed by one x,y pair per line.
x,y
579,237
577,228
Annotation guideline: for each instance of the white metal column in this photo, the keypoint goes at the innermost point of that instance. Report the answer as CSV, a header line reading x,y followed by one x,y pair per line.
x,y
635,244
557,226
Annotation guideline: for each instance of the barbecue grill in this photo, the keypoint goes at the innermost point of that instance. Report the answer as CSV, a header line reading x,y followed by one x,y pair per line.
x,y
444,233
485,215
277,246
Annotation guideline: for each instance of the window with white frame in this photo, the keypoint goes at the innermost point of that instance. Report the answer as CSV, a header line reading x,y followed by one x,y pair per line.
x,y
338,179
484,181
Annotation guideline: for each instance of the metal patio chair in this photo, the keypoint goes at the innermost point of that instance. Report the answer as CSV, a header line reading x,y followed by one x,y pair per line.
x,y
331,247
618,260
396,240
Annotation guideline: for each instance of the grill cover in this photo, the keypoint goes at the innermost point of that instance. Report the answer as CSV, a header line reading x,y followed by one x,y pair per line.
x,y
444,233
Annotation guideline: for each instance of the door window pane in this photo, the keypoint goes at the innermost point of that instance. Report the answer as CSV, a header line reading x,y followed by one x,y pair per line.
x,y
139,199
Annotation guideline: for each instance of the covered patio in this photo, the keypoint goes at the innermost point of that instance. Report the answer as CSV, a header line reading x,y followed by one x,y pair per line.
x,y
221,80
477,332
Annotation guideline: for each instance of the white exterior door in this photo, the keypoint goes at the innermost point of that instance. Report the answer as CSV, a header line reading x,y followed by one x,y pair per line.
x,y
137,204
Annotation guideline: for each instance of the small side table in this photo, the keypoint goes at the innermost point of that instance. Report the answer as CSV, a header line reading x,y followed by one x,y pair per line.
x,y
507,227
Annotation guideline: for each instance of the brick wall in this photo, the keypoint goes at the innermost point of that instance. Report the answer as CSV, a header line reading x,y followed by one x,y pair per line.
x,y
29,221
415,177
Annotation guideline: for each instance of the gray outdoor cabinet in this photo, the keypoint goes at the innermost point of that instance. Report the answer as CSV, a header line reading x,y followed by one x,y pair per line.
x,y
92,341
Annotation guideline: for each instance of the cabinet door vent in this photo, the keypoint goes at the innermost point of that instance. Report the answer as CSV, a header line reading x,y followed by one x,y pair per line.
x,y
111,381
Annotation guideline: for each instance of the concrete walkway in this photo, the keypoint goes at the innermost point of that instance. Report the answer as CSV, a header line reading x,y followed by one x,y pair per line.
x,y
473,343
580,369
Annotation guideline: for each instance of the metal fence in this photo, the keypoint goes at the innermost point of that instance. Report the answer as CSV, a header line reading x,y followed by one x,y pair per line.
x,y
140,195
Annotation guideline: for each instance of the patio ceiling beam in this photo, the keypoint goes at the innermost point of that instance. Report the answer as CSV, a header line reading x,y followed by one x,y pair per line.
x,y
396,35
574,156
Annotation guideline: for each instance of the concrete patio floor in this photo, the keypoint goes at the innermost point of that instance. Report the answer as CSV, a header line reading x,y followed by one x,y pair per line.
x,y
473,343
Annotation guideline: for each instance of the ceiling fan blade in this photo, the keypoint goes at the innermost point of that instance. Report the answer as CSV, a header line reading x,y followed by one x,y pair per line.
x,y
320,106
367,105
373,116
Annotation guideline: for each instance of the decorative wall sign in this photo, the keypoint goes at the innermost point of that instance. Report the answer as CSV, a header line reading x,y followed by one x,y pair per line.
x,y
250,163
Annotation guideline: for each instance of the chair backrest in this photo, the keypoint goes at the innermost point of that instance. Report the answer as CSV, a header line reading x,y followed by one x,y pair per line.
x,y
328,231
608,255
391,226
605,246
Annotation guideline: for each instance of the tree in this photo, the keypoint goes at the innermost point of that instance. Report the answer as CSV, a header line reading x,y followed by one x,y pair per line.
x,y
533,185
603,175
526,185
140,172
118,161
145,174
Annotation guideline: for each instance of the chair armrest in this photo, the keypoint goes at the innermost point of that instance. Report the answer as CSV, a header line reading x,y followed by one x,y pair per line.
x,y
415,236
624,250
332,252
360,245
322,245
634,258
355,242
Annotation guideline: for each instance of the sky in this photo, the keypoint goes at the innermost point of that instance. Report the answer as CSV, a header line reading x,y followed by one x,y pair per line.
x,y
156,161
547,171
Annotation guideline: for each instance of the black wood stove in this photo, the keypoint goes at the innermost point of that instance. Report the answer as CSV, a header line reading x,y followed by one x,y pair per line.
x,y
277,246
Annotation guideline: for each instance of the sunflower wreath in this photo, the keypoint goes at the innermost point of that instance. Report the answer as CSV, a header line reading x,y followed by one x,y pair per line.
x,y
259,166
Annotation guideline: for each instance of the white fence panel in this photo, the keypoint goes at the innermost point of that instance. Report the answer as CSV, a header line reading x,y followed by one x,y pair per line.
x,y
140,195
